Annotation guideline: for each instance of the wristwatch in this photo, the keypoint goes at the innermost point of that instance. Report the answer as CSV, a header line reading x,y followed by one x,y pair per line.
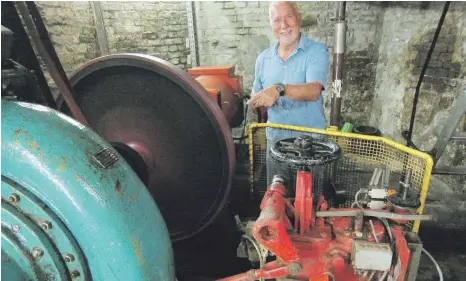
x,y
280,88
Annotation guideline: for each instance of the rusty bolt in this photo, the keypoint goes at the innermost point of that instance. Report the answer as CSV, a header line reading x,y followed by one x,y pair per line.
x,y
75,274
16,228
46,225
69,258
14,198
37,252
294,268
358,234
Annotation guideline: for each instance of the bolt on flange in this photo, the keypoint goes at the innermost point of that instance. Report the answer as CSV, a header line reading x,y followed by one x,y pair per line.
x,y
37,252
75,274
69,258
46,225
14,198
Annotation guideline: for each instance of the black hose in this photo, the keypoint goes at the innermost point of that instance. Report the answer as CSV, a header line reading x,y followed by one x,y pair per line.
x,y
423,71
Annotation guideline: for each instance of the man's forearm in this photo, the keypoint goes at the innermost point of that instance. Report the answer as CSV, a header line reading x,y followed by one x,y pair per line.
x,y
303,92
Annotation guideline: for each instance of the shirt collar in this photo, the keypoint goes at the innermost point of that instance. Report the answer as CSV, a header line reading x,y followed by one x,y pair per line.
x,y
301,45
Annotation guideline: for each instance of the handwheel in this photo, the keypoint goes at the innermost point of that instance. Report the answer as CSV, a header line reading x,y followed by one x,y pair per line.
x,y
305,151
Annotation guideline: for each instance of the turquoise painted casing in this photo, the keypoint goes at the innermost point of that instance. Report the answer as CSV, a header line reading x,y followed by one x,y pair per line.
x,y
65,189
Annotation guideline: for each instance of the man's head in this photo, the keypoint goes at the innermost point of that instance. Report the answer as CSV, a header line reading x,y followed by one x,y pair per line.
x,y
285,21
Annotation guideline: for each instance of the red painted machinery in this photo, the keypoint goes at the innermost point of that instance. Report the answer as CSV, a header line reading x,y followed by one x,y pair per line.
x,y
315,242
224,88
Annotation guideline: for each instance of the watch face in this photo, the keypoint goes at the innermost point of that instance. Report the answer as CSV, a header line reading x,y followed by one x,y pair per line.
x,y
280,88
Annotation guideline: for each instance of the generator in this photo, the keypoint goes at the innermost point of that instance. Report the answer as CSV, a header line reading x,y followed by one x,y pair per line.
x,y
315,235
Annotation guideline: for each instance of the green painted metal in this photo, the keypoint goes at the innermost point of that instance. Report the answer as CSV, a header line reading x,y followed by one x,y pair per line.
x,y
61,196
347,127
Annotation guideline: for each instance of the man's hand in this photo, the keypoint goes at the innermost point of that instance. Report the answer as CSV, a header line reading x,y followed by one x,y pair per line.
x,y
266,98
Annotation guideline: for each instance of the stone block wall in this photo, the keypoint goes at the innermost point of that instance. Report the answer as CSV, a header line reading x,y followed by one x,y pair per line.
x,y
72,31
153,28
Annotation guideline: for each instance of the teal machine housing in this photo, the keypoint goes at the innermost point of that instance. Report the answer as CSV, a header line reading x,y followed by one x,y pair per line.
x,y
72,208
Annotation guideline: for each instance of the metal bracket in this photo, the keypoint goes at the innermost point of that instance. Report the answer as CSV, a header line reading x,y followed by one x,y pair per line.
x,y
452,122
448,134
191,33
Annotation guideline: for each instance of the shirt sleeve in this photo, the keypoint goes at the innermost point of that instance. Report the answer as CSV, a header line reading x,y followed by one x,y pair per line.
x,y
317,67
257,84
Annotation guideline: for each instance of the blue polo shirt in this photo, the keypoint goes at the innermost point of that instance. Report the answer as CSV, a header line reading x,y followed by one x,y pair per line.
x,y
307,63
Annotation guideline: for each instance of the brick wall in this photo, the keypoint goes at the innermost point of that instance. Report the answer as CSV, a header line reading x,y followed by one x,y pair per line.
x,y
154,28
73,37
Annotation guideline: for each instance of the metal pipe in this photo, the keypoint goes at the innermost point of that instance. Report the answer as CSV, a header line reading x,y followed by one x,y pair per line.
x,y
423,71
386,177
369,213
406,184
338,57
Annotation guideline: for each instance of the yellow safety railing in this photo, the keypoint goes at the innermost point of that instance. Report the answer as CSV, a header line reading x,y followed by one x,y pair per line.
x,y
361,151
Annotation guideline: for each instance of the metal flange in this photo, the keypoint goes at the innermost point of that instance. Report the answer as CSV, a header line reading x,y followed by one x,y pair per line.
x,y
35,241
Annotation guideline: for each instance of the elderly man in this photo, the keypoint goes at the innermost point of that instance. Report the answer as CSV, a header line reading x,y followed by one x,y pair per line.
x,y
289,79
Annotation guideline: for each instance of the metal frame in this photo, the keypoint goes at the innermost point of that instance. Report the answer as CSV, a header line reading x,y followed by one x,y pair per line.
x,y
190,12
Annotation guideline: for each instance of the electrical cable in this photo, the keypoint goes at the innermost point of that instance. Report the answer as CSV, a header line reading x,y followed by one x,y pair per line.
x,y
439,270
356,198
387,226
373,231
408,134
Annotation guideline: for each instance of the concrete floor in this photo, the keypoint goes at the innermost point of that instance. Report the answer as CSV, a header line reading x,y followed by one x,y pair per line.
x,y
453,266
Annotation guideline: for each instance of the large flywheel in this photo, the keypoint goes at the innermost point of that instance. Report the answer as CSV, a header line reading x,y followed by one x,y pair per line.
x,y
165,125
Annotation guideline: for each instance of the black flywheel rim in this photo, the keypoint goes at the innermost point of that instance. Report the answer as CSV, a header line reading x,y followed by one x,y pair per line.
x,y
144,104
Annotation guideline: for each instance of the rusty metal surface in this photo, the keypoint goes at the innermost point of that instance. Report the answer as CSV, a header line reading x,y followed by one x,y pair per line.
x,y
222,79
158,111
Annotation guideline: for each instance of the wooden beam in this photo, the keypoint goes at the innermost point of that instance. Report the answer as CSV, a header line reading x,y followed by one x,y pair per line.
x,y
100,27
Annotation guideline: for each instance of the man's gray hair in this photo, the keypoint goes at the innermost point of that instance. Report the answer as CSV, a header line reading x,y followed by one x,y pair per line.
x,y
291,3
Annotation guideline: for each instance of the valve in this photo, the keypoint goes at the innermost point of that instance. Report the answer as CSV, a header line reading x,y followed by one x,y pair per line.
x,y
305,151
